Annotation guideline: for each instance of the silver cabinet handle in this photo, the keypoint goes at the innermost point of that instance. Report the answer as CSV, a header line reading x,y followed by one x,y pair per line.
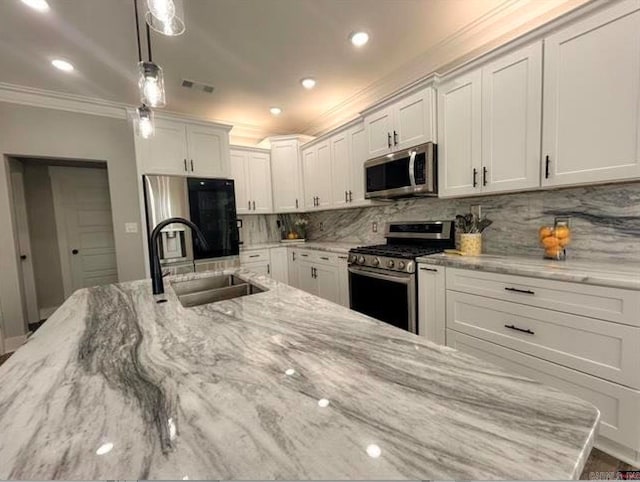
x,y
185,166
249,204
342,257
389,140
254,205
268,269
191,165
395,138
254,256
429,269
517,290
293,256
304,255
296,203
350,197
346,196
324,257
523,330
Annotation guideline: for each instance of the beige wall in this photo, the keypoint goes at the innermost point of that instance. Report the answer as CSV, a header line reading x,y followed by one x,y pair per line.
x,y
35,132
43,236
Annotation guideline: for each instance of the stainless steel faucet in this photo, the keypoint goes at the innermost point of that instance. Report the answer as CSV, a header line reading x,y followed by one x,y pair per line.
x,y
156,270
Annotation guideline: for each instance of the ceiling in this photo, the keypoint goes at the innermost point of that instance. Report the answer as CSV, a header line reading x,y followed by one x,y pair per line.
x,y
254,52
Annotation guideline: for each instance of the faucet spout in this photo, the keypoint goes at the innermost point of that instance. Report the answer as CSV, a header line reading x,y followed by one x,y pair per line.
x,y
156,270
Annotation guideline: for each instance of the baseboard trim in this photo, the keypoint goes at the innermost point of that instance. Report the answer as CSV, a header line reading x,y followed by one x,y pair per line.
x,y
47,312
627,455
13,343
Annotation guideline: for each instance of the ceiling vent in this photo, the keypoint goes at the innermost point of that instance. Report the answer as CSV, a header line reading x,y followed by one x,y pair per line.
x,y
198,86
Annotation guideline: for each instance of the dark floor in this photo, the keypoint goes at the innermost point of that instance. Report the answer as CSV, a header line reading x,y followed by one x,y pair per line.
x,y
599,466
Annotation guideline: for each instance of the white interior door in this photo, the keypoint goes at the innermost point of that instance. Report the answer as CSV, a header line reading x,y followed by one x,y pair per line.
x,y
85,227
30,300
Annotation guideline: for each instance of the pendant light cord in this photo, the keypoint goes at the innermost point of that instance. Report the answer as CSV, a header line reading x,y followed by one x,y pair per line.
x,y
135,8
149,42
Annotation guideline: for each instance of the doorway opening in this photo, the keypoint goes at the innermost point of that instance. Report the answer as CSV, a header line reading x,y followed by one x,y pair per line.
x,y
64,231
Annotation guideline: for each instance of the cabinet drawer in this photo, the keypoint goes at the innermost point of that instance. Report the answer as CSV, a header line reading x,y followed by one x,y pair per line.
x,y
254,256
600,348
619,406
601,302
316,256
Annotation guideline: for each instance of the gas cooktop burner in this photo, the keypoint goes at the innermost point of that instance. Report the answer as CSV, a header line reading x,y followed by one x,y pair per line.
x,y
397,250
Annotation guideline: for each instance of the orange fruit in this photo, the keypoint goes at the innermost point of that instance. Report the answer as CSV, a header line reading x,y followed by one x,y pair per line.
x,y
562,242
562,231
544,232
550,242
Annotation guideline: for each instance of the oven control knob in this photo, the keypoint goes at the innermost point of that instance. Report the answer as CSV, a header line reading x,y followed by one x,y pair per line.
x,y
376,261
361,260
401,265
390,264
352,258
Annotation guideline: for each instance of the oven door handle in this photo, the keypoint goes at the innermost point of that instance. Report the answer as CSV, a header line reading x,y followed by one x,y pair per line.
x,y
405,279
412,168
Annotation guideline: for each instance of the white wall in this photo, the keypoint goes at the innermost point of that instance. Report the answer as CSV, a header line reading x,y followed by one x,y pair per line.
x,y
36,132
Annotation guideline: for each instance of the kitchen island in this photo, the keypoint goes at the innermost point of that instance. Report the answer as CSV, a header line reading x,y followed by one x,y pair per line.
x,y
275,385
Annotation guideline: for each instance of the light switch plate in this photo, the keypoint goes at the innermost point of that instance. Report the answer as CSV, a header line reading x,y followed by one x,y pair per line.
x,y
131,227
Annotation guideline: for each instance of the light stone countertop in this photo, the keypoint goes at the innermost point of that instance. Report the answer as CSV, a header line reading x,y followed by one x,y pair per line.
x,y
117,386
337,247
617,273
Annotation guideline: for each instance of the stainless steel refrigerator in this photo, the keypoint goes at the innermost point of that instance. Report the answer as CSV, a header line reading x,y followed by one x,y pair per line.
x,y
209,203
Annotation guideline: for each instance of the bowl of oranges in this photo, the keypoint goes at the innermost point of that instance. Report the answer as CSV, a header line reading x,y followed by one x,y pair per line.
x,y
554,240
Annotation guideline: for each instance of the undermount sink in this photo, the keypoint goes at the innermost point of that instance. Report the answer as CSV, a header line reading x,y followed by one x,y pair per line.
x,y
202,291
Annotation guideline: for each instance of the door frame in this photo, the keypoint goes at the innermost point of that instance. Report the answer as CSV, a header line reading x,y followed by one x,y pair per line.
x,y
23,246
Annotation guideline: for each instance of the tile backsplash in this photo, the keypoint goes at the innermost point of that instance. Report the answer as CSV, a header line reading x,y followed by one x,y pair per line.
x,y
605,220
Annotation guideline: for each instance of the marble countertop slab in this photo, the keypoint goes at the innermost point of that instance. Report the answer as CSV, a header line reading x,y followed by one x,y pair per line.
x,y
276,385
332,247
616,274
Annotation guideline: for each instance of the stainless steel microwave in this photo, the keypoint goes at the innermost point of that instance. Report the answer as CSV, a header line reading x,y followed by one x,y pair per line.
x,y
411,172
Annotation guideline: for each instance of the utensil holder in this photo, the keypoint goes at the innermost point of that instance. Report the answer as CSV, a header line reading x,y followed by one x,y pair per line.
x,y
471,244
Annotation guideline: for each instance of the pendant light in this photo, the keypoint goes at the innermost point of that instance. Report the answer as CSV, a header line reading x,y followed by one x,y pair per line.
x,y
144,122
151,79
166,16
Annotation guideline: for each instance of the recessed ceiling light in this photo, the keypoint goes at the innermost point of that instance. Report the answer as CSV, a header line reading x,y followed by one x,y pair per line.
x,y
275,110
62,65
308,82
359,38
40,5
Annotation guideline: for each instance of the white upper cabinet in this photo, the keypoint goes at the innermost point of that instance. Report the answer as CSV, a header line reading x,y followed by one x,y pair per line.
x,y
511,120
286,176
317,175
166,151
591,130
489,126
251,171
414,120
309,166
357,156
208,151
407,122
459,134
180,148
340,169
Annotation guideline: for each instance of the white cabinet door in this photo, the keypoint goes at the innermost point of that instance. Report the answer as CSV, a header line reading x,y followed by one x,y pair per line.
x,y
261,267
279,264
378,127
413,120
285,176
208,151
292,265
358,154
431,303
591,130
323,175
306,280
327,282
238,168
511,120
459,135
309,166
259,174
166,151
343,281
340,169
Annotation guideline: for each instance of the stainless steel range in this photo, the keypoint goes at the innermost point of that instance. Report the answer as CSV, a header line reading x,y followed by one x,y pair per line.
x,y
382,278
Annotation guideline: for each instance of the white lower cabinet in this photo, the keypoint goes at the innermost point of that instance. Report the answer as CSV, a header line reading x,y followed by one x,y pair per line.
x,y
431,303
320,273
256,260
279,264
578,338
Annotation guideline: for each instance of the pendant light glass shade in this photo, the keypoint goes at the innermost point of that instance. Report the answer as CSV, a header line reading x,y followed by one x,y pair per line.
x,y
151,84
144,122
166,16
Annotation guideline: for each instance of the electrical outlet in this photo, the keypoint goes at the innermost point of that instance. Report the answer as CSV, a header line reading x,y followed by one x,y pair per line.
x,y
476,209
374,227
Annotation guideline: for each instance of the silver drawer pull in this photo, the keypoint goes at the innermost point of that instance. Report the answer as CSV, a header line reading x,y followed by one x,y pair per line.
x,y
342,257
523,330
527,292
254,256
429,269
325,258
304,255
